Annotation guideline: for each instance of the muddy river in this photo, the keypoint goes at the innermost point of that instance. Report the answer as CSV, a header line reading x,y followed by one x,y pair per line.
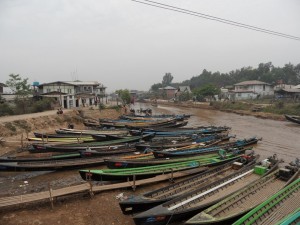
x,y
278,137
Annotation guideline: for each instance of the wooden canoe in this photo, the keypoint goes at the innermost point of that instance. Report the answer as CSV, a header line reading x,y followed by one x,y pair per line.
x,y
52,165
189,204
153,198
293,118
199,150
84,146
245,199
205,159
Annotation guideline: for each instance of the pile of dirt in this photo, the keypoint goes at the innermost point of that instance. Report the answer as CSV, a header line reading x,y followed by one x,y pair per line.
x,y
13,131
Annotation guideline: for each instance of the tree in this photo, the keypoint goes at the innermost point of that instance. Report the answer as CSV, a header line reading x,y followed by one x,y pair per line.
x,y
155,87
124,95
208,90
21,89
167,79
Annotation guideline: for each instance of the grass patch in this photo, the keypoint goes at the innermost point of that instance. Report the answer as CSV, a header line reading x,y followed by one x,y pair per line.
x,y
231,105
23,125
283,108
10,127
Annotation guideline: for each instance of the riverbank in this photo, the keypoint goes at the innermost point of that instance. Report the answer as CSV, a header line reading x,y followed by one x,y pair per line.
x,y
256,110
15,129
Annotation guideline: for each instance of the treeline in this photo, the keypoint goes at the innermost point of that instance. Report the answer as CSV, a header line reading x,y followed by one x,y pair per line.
x,y
266,72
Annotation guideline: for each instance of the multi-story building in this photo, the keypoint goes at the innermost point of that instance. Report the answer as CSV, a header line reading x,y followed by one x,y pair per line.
x,y
251,89
71,94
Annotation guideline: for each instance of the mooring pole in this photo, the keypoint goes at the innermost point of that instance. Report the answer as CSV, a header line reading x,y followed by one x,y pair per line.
x,y
133,186
51,198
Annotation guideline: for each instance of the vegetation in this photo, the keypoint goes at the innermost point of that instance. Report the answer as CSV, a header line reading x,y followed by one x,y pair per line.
x,y
208,90
265,72
21,89
124,95
167,79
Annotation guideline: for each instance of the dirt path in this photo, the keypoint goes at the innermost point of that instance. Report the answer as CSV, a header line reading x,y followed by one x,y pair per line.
x,y
5,119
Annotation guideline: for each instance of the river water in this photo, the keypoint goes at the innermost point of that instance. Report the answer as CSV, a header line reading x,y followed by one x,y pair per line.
x,y
278,137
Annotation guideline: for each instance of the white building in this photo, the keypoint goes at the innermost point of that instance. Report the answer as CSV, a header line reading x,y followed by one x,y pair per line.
x,y
251,89
71,94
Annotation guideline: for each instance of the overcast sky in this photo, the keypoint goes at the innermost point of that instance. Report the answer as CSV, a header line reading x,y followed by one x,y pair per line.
x,y
124,44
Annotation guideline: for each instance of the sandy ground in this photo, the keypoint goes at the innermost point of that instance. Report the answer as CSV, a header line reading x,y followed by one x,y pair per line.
x,y
278,137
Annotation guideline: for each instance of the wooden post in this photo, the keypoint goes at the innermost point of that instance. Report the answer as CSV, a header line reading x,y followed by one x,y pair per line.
x,y
172,175
22,141
133,186
91,188
50,198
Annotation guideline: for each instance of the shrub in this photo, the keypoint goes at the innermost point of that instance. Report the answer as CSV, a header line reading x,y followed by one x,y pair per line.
x,y
23,125
10,126
6,109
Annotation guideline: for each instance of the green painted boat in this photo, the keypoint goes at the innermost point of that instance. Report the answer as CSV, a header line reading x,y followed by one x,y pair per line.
x,y
212,158
248,198
139,173
292,219
275,208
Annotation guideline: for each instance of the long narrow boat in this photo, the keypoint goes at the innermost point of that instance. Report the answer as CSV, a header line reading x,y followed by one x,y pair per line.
x,y
293,118
119,163
292,219
199,150
246,199
107,152
40,158
52,165
186,116
189,204
138,124
187,129
148,200
50,135
274,209
179,132
149,171
62,139
89,132
84,146
139,173
169,143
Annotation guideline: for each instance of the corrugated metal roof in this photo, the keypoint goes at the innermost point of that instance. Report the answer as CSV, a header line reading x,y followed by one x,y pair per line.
x,y
251,82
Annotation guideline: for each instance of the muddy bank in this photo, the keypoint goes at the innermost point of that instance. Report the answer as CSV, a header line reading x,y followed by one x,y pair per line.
x,y
206,105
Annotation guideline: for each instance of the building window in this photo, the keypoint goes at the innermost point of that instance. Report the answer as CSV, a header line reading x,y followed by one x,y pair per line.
x,y
48,90
239,94
69,91
59,90
264,87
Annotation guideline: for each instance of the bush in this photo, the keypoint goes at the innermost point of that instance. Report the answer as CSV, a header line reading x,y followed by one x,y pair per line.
x,y
6,109
10,126
41,105
23,124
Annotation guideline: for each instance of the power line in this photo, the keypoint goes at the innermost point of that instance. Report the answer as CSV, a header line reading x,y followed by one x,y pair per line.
x,y
218,19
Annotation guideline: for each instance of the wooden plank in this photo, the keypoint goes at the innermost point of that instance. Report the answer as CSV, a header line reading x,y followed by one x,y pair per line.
x,y
21,199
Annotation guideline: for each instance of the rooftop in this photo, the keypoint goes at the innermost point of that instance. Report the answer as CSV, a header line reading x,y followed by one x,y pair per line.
x,y
251,82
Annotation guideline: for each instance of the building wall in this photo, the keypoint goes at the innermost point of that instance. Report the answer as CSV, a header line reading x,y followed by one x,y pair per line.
x,y
261,89
243,96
